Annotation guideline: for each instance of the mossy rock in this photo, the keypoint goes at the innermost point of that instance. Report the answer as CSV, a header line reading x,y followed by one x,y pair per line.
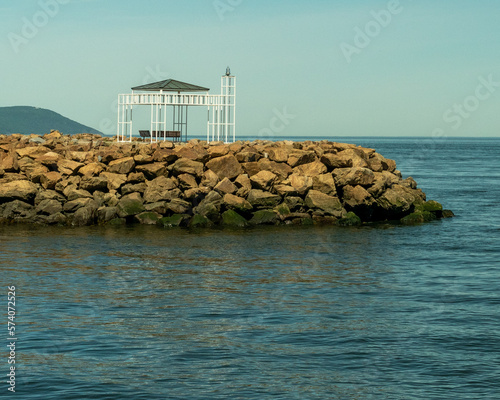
x,y
430,206
264,217
199,221
350,219
130,207
448,214
148,218
418,217
232,218
283,210
306,221
117,222
174,221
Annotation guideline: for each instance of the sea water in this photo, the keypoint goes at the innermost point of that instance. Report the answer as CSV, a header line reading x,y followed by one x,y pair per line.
x,y
373,312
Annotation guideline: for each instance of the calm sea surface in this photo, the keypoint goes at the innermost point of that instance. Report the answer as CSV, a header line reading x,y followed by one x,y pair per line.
x,y
384,312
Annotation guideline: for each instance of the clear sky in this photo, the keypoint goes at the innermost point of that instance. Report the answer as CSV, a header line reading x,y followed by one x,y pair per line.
x,y
329,67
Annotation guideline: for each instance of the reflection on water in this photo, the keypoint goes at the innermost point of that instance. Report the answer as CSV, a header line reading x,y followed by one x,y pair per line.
x,y
276,312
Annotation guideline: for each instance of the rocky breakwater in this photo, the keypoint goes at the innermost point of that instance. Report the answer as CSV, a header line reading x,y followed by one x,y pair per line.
x,y
87,179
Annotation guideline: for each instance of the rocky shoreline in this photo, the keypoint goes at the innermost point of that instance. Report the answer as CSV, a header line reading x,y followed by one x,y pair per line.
x,y
86,179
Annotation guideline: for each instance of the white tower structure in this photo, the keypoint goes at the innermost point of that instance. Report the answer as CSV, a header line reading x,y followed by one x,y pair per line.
x,y
222,121
228,91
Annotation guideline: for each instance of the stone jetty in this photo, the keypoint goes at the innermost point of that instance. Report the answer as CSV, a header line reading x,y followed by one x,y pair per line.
x,y
87,179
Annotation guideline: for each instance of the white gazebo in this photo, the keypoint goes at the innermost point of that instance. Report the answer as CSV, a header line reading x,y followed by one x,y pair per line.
x,y
170,100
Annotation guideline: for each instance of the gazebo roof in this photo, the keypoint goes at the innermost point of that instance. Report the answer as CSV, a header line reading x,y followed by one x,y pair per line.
x,y
171,85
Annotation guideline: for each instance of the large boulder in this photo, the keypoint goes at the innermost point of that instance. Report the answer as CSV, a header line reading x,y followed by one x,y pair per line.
x,y
243,184
114,181
159,207
260,199
49,159
236,203
397,202
69,167
301,183
251,168
210,206
173,221
350,219
209,179
18,190
285,190
225,186
85,216
199,221
152,171
73,193
187,181
358,200
48,195
298,157
232,219
91,184
106,214
35,174
353,176
225,166
50,179
32,151
160,189
311,169
18,210
165,155
179,206
278,154
346,158
122,165
264,180
187,166
9,163
148,218
264,217
357,196
74,205
53,135
281,170
325,184
195,153
129,205
248,156
92,169
218,151
328,204
49,207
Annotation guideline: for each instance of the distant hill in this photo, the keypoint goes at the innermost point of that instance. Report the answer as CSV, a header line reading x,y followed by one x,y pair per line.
x,y
27,120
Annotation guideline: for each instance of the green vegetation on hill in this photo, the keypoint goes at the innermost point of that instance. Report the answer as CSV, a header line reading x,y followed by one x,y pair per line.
x,y
28,120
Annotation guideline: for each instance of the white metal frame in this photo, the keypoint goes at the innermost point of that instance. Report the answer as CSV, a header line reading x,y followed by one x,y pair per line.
x,y
221,120
222,114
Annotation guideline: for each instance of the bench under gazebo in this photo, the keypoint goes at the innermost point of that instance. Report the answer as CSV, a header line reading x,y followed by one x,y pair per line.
x,y
169,101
